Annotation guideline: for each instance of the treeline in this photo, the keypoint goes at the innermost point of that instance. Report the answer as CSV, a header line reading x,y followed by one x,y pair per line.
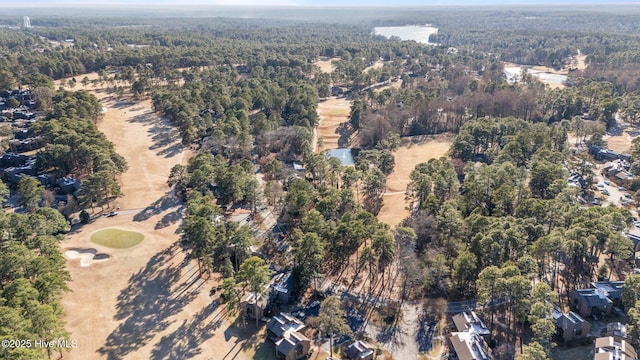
x,y
217,103
75,146
513,221
32,281
450,95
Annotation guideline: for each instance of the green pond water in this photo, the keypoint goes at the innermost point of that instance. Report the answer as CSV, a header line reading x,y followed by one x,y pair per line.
x,y
117,238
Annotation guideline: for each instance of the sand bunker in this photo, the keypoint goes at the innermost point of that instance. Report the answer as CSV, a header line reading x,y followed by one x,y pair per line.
x,y
87,256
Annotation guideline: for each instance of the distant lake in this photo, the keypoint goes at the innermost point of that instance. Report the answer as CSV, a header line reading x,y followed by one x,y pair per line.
x,y
418,33
513,74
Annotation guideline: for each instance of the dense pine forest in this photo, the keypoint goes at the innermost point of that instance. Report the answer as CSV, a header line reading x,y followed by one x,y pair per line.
x,y
494,221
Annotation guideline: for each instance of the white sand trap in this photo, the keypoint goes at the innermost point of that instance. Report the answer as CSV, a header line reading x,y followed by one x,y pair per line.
x,y
87,256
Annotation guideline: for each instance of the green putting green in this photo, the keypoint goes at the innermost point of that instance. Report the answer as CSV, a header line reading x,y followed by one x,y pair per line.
x,y
117,238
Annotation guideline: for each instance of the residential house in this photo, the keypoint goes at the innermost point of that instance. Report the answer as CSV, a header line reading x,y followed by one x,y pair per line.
x,y
616,329
613,289
605,154
469,320
293,346
588,302
337,90
12,159
570,326
28,144
253,304
280,324
281,286
614,348
278,291
468,345
68,185
285,331
360,350
636,241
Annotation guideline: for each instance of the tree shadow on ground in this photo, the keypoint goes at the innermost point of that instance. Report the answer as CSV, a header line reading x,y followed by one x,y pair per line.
x,y
243,337
166,202
356,318
424,337
169,218
345,131
184,342
158,291
389,334
166,138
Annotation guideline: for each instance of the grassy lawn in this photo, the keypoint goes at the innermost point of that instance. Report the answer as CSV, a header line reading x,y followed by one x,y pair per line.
x,y
117,238
339,111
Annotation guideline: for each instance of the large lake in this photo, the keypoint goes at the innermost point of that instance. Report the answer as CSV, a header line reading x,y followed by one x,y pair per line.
x,y
418,33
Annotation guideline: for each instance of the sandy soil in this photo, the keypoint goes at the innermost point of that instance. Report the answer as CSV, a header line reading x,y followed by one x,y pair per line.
x,y
620,143
146,302
407,157
579,61
334,116
87,257
325,65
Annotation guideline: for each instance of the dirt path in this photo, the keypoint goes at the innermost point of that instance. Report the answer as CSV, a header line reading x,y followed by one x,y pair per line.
x,y
407,157
147,301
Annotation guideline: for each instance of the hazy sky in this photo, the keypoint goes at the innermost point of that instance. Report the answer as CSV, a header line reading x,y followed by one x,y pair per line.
x,y
301,2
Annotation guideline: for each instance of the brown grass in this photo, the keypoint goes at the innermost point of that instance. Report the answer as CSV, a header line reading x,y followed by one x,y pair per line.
x,y
620,143
333,113
147,301
326,66
407,157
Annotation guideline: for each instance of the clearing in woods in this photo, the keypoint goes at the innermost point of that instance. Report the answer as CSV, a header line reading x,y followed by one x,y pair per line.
x,y
620,143
333,127
414,151
325,65
148,301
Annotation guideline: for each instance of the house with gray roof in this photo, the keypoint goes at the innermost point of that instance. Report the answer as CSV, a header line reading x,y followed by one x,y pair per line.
x,y
468,345
293,346
470,320
588,302
285,331
280,324
570,326
613,289
360,350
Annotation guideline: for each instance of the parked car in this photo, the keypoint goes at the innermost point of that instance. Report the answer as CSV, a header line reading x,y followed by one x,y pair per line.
x,y
621,188
604,192
607,182
113,213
